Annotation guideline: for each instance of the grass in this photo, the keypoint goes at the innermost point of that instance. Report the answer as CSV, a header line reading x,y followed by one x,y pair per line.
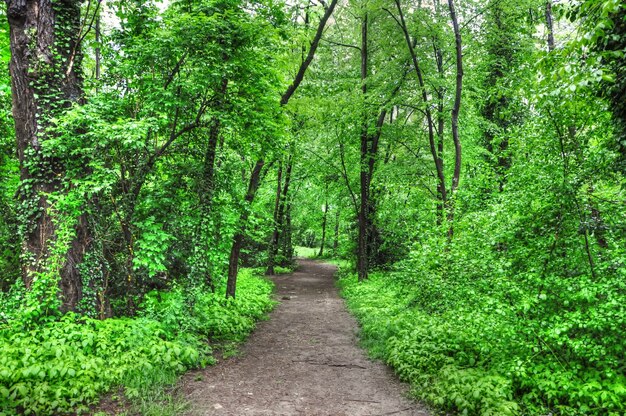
x,y
307,252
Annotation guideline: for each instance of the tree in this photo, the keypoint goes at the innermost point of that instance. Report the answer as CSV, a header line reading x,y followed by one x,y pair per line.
x,y
46,79
254,182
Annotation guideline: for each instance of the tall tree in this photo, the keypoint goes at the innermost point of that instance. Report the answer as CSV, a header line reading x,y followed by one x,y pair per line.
x,y
46,79
255,176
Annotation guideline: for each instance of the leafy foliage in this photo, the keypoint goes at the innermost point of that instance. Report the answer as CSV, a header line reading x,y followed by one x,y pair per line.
x,y
65,365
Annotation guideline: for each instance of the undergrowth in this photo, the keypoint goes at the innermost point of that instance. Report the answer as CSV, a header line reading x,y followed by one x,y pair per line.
x,y
64,366
475,347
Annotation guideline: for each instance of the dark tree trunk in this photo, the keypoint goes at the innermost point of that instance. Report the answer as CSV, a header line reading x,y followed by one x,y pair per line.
x,y
441,180
201,271
46,78
309,58
97,51
324,221
284,216
549,25
281,203
254,182
336,240
287,246
455,112
440,130
362,263
233,261
271,252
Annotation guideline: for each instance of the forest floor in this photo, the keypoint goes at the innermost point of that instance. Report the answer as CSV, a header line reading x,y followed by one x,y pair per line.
x,y
303,361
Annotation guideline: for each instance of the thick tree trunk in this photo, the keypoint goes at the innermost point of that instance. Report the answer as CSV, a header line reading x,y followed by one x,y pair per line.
x,y
200,265
46,78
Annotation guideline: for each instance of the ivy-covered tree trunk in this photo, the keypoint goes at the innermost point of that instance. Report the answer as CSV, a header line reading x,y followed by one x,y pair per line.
x,y
45,72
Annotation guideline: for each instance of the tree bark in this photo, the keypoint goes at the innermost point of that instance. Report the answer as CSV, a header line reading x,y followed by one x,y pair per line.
x,y
46,79
336,240
271,252
200,266
550,25
254,182
425,100
455,111
233,260
281,202
309,58
324,220
440,125
362,258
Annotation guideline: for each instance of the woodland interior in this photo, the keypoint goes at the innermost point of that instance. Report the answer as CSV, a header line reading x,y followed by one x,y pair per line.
x,y
462,161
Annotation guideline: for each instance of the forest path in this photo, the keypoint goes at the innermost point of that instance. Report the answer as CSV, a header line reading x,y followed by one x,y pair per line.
x,y
303,361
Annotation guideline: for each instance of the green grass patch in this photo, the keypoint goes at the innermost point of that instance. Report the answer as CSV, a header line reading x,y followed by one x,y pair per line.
x,y
65,366
306,252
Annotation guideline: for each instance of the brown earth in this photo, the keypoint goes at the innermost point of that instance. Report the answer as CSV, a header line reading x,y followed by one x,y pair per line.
x,y
303,361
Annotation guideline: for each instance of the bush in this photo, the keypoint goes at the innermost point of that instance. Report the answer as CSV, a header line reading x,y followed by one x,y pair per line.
x,y
475,348
64,366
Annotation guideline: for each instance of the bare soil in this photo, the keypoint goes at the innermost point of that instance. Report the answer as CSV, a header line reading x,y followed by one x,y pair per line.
x,y
303,361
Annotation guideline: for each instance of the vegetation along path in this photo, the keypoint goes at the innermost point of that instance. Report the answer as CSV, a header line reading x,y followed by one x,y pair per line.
x,y
303,361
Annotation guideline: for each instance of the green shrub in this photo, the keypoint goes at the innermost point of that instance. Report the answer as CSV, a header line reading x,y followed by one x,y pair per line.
x,y
65,365
484,347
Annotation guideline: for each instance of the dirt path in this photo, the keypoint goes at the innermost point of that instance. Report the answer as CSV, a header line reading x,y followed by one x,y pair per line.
x,y
303,361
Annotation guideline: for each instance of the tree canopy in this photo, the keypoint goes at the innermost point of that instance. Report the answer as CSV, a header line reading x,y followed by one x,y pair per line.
x,y
467,159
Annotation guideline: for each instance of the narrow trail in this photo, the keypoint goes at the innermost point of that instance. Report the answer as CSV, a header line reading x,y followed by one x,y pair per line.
x,y
303,361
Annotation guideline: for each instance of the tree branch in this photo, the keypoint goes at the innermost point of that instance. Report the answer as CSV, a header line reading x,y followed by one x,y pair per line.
x,y
309,58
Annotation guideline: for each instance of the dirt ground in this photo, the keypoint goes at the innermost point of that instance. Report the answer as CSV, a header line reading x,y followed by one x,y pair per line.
x,y
303,361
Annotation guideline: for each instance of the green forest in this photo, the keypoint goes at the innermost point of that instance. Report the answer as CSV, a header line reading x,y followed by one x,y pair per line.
x,y
463,161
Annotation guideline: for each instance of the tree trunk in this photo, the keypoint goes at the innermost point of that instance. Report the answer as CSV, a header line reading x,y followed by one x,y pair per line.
x,y
441,180
549,25
287,247
309,58
336,241
324,220
281,203
271,252
200,265
440,130
362,263
46,79
233,260
455,113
